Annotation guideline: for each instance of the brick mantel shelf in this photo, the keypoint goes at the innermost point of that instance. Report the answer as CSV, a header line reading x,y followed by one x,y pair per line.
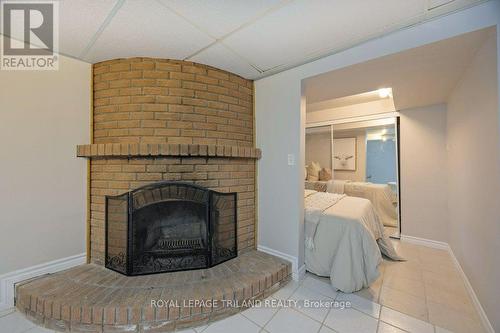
x,y
131,150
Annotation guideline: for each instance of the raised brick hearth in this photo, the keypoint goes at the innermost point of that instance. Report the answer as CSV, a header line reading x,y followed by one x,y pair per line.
x,y
91,298
157,119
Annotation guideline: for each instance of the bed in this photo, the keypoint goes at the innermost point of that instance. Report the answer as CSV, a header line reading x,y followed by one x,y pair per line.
x,y
382,197
344,240
384,200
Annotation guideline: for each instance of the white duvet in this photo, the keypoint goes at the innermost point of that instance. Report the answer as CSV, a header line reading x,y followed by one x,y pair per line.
x,y
380,195
345,236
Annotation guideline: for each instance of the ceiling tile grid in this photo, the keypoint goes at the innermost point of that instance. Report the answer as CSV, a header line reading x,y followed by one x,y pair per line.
x,y
221,57
220,17
306,28
79,20
252,38
147,28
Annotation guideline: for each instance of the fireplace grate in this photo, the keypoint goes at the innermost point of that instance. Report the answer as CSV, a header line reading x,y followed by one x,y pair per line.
x,y
177,244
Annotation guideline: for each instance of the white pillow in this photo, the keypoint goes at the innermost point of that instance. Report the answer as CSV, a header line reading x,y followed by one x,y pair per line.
x,y
313,171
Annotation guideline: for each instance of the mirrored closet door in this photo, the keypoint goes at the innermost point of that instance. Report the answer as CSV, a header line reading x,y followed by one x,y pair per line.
x,y
357,158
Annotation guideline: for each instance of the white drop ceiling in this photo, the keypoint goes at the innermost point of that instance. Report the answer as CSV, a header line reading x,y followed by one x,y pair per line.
x,y
252,38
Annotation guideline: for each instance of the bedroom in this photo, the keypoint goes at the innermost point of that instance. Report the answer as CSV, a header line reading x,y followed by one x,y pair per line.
x,y
353,145
434,98
251,166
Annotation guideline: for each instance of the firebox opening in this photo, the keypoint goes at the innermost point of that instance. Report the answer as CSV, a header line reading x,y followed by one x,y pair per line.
x,y
169,226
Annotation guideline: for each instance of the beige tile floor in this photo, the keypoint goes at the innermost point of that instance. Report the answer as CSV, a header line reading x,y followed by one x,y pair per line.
x,y
424,294
428,287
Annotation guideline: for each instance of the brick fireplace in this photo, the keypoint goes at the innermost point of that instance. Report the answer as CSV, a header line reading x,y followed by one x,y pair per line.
x,y
158,124
157,119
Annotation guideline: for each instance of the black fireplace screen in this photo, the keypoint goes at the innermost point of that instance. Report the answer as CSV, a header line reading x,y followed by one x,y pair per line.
x,y
169,226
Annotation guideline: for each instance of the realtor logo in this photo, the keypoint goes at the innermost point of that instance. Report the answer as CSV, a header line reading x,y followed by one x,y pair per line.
x,y
29,35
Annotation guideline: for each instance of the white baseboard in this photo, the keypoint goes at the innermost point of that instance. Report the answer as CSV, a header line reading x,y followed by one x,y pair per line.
x,y
298,273
8,280
482,314
445,246
425,242
6,310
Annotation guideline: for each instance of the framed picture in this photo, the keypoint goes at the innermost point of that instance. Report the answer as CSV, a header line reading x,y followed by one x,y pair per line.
x,y
344,154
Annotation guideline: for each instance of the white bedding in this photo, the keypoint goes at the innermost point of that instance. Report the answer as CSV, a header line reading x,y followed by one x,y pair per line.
x,y
346,236
315,206
384,200
382,197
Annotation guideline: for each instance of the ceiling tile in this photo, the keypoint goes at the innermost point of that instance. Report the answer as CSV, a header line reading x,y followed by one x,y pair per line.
x,y
306,28
147,28
78,22
219,17
221,57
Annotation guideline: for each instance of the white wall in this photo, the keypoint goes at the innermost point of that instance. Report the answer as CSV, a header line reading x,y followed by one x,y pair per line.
x,y
423,172
474,177
279,113
43,116
279,132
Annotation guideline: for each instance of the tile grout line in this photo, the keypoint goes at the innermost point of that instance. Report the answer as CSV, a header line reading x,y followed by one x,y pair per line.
x,y
380,312
392,325
261,326
279,309
425,297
